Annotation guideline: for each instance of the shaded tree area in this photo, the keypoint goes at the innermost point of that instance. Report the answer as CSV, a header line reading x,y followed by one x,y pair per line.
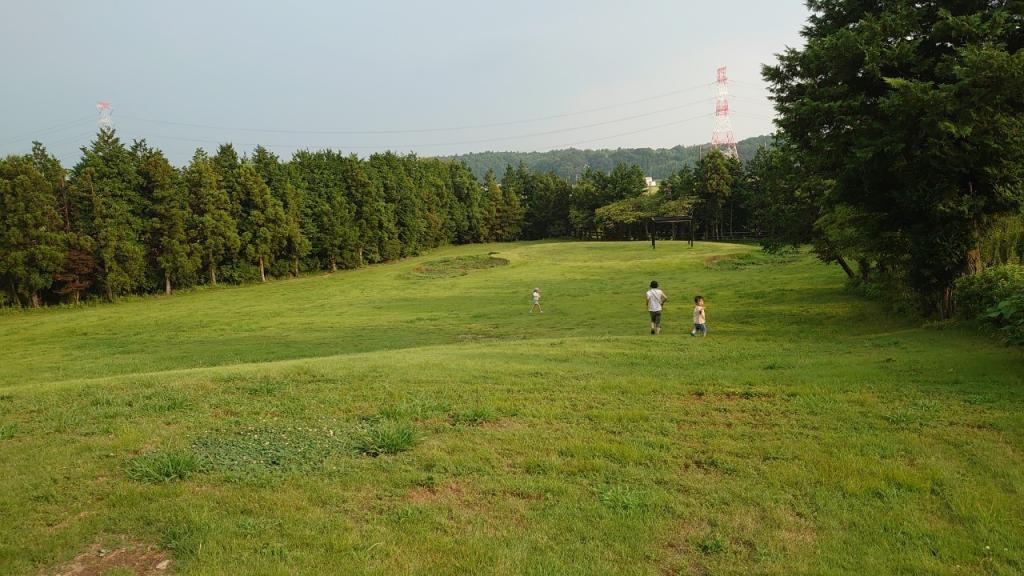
x,y
902,140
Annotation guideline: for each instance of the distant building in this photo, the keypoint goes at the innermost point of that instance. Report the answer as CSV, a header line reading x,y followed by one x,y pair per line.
x,y
650,182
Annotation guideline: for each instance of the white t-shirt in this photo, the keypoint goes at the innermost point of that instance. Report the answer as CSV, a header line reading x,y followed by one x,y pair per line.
x,y
536,297
654,297
698,315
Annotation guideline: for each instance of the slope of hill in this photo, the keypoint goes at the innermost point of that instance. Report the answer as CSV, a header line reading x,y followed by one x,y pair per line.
x,y
656,162
415,418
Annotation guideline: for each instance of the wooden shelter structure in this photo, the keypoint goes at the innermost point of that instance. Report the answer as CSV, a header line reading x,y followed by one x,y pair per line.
x,y
674,221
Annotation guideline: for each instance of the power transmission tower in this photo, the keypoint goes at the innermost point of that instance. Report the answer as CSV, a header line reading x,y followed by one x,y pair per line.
x,y
723,138
105,122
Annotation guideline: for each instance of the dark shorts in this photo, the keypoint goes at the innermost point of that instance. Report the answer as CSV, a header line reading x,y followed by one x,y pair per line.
x,y
656,318
702,328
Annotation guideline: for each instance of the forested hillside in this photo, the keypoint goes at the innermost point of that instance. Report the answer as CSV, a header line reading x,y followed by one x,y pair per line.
x,y
570,163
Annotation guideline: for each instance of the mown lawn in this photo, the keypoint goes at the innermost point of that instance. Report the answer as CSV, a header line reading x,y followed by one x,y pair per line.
x,y
413,418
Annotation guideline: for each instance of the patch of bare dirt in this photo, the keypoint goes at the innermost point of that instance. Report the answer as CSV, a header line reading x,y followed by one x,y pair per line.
x,y
138,558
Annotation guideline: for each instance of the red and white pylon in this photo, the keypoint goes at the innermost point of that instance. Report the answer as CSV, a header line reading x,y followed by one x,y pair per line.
x,y
723,138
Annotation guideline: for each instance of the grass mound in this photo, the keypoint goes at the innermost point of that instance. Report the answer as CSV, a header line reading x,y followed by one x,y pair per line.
x,y
457,266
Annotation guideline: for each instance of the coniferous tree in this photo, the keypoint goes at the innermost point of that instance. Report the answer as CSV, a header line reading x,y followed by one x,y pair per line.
x,y
106,179
31,231
172,251
214,229
263,229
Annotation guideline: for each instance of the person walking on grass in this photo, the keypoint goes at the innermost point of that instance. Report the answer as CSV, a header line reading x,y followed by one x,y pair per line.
x,y
699,318
655,299
536,302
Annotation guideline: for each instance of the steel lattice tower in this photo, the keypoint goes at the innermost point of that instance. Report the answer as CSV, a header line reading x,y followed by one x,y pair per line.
x,y
723,138
105,121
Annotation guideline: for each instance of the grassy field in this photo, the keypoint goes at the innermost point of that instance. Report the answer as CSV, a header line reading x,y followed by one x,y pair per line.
x,y
413,418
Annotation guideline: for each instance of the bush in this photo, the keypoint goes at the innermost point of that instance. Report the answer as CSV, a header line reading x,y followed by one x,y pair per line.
x,y
1008,316
976,294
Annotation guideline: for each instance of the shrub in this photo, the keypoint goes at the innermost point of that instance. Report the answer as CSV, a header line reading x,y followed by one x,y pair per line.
x,y
978,293
1008,316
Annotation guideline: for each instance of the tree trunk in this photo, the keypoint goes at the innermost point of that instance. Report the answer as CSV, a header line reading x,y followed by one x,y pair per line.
x,y
110,294
35,299
295,268
213,275
263,273
946,306
974,263
78,296
334,264
167,283
846,267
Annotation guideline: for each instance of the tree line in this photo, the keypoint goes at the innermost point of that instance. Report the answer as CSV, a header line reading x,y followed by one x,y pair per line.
x,y
124,221
571,163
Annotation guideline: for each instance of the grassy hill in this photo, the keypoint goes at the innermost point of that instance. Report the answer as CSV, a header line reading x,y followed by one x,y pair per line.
x,y
413,418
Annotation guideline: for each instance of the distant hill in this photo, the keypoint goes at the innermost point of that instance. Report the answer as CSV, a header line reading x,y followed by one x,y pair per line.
x,y
656,162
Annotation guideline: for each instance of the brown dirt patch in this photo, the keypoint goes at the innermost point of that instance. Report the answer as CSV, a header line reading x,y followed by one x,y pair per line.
x,y
429,494
138,558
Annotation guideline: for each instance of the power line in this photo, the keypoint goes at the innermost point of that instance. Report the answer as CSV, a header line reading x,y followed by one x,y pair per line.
x,y
419,130
42,131
648,129
460,142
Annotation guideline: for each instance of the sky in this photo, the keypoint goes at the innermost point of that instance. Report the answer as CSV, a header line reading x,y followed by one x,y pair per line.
x,y
434,78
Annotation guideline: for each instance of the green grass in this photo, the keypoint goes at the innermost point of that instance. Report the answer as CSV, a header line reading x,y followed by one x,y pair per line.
x,y
387,421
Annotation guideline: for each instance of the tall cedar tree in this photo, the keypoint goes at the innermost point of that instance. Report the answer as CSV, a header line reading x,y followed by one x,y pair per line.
x,y
262,229
31,231
327,214
108,186
916,111
214,229
281,180
171,251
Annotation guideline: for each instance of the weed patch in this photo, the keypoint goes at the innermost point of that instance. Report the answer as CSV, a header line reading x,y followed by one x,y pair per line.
x,y
258,449
385,437
158,467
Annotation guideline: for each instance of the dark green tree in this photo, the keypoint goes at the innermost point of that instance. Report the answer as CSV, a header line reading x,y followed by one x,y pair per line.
x,y
214,229
171,251
915,111
106,181
263,228
31,230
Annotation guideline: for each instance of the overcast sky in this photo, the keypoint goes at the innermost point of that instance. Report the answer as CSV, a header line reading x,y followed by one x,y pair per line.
x,y
437,78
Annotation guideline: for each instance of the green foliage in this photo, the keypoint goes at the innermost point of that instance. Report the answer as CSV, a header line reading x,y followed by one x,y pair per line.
x,y
1008,316
1004,242
912,113
31,238
977,293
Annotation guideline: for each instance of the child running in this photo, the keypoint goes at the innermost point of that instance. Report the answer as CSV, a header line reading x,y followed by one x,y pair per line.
x,y
536,302
655,298
699,318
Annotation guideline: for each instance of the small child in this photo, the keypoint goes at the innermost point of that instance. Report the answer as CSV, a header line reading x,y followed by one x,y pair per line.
x,y
699,320
536,302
